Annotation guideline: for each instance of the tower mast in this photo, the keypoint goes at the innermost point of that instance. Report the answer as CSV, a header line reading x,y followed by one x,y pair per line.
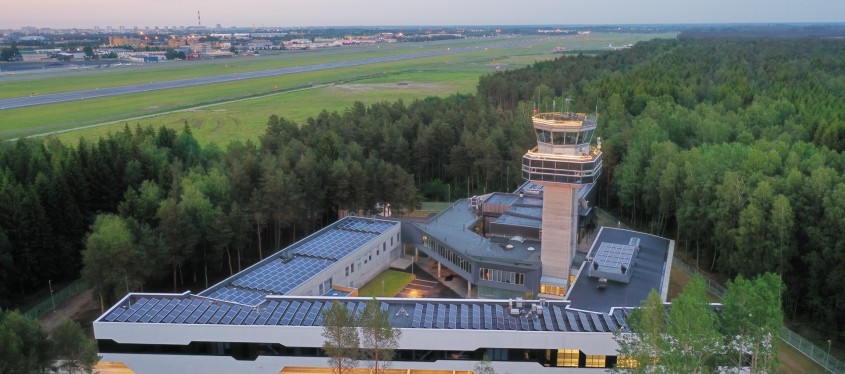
x,y
563,162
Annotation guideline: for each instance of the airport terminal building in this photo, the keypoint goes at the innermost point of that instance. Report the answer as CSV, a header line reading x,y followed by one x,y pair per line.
x,y
538,300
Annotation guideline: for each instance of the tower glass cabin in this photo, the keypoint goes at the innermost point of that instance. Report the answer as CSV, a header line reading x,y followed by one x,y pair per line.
x,y
563,162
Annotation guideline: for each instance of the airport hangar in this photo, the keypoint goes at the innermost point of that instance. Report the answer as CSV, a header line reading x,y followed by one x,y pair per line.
x,y
268,317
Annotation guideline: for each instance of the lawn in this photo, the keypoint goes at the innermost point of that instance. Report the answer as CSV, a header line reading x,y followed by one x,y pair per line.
x,y
386,284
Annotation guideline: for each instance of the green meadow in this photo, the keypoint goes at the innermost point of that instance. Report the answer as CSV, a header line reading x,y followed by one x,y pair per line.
x,y
239,110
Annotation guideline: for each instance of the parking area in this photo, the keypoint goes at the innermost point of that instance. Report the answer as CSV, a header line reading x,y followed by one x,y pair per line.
x,y
426,286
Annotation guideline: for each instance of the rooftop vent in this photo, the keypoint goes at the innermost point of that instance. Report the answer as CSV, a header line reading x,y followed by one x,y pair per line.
x,y
530,249
518,239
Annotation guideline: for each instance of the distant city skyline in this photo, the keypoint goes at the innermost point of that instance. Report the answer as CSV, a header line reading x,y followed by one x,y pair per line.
x,y
267,13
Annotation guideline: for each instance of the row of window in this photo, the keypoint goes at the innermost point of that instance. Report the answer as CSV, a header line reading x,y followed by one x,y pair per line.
x,y
564,138
552,290
502,276
251,351
448,254
363,260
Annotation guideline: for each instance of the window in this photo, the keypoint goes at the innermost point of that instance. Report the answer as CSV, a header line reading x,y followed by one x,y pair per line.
x,y
502,276
353,267
384,246
377,252
347,271
626,362
568,357
596,361
391,241
551,290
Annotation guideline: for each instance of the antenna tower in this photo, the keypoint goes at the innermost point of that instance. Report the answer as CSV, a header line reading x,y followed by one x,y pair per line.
x,y
199,20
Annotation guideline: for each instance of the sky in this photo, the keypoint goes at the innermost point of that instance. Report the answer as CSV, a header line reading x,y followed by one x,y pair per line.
x,y
256,13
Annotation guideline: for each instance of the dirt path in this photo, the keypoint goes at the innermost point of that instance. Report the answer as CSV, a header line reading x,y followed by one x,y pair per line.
x,y
78,308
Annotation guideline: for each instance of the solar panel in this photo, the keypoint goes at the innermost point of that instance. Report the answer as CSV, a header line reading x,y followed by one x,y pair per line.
x,y
620,319
597,322
500,317
512,323
164,312
208,314
187,312
360,310
571,319
132,309
350,307
441,316
488,317
609,322
300,314
312,314
114,314
464,316
241,315
220,313
429,315
267,312
585,321
177,311
230,315
290,313
476,316
547,319
154,310
523,323
559,319
453,316
418,311
278,313
536,323
196,314
251,317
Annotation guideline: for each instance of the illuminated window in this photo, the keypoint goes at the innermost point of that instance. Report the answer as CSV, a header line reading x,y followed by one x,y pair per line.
x,y
568,357
596,361
551,290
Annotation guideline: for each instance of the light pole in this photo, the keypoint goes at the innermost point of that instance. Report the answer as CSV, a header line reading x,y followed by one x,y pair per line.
x,y
827,358
50,284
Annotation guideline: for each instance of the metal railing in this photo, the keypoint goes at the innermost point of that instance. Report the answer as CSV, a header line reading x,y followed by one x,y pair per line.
x,y
58,297
819,355
807,348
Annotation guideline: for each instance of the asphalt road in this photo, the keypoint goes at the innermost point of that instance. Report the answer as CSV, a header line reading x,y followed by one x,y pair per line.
x,y
21,102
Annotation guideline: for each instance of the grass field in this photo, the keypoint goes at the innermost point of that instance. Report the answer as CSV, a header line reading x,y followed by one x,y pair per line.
x,y
386,284
295,96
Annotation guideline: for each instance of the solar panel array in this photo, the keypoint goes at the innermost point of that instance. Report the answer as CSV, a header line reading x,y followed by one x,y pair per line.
x,y
279,277
432,314
366,225
334,244
238,295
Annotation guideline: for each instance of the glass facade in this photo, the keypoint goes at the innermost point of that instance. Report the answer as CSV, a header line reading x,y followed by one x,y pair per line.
x,y
449,254
502,276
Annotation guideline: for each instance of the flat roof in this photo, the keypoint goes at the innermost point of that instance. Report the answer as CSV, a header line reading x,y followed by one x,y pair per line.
x,y
649,272
454,228
408,313
285,270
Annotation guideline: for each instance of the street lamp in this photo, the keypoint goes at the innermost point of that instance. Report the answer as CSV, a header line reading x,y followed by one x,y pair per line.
x,y
827,358
50,284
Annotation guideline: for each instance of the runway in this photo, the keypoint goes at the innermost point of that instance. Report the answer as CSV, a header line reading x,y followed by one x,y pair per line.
x,y
22,102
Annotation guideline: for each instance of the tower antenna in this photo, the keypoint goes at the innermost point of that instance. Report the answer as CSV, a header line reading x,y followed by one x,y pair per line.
x,y
199,20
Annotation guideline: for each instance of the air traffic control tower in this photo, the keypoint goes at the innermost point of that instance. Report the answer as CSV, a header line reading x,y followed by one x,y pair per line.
x,y
563,162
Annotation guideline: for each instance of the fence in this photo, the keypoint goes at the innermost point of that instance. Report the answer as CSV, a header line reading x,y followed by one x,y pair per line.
x,y
46,305
813,352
